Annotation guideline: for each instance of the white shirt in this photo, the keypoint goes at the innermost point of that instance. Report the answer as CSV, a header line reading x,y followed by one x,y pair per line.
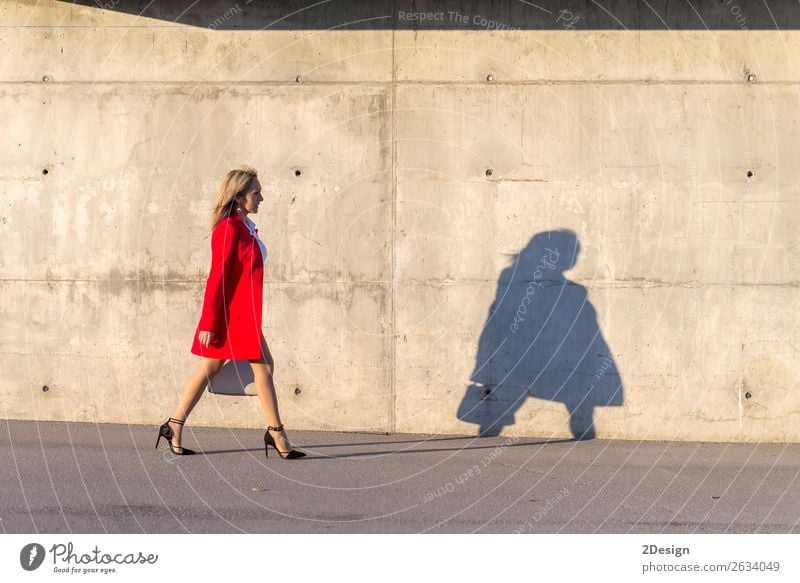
x,y
251,226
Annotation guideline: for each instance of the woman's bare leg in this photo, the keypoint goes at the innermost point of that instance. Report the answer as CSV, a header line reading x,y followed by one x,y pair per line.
x,y
265,387
192,392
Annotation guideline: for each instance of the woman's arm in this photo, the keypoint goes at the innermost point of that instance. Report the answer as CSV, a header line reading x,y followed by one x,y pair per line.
x,y
224,239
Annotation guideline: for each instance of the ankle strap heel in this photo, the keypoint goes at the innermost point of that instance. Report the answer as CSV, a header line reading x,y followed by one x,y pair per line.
x,y
269,440
166,432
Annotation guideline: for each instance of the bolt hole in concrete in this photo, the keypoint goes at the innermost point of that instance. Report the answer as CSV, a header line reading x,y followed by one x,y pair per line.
x,y
489,172
45,171
747,395
297,391
490,77
45,389
749,173
297,173
751,77
47,78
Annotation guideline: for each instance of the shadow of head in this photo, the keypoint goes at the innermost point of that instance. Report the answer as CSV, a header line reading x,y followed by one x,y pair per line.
x,y
547,255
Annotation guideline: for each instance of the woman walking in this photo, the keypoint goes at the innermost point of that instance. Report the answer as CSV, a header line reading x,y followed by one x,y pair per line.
x,y
230,325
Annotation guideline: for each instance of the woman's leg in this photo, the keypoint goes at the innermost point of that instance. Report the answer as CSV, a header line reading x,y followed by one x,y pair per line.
x,y
265,387
192,392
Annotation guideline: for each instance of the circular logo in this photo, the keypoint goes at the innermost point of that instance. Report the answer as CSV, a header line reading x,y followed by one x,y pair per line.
x,y
31,556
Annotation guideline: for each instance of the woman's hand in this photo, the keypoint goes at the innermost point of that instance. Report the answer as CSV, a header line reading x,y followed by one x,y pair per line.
x,y
205,338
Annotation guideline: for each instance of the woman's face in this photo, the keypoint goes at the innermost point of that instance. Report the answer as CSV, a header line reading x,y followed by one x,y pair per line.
x,y
252,198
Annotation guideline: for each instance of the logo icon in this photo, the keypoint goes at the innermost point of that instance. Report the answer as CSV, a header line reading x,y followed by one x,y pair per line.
x,y
31,556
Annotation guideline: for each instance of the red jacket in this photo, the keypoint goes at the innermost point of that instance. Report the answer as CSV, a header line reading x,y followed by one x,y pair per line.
x,y
232,302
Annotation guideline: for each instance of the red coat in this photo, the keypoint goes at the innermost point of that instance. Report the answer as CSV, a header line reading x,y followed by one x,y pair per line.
x,y
232,303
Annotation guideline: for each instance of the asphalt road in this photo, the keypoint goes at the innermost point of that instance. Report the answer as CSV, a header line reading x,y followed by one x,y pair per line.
x,y
90,478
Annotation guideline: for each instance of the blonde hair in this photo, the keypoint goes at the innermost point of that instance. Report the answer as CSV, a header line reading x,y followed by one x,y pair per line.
x,y
236,182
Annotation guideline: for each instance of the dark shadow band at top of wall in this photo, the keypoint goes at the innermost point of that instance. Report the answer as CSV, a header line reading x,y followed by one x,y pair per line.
x,y
482,15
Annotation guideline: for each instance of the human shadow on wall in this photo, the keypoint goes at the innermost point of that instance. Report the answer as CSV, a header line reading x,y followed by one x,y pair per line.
x,y
541,339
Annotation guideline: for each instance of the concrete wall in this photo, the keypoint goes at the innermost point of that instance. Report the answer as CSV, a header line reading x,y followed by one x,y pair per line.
x,y
605,231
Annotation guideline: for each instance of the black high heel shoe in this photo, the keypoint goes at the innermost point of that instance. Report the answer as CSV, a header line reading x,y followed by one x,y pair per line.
x,y
166,432
269,440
